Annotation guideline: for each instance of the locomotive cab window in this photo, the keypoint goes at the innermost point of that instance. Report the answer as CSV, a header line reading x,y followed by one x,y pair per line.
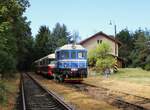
x,y
73,54
64,55
57,55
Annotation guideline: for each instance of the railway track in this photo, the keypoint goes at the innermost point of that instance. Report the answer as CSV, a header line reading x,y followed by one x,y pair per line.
x,y
36,97
119,99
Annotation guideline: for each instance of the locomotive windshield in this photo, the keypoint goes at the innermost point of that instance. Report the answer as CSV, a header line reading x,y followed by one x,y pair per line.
x,y
64,54
71,54
78,54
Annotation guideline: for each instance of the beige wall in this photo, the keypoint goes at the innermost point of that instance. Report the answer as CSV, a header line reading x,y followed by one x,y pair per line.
x,y
92,43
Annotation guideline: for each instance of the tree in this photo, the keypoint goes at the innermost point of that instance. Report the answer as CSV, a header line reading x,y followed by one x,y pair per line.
x,y
140,54
74,38
14,34
46,41
101,58
43,42
60,35
127,45
135,48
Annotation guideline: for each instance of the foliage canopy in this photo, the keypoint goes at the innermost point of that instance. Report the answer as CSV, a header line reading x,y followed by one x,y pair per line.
x,y
100,57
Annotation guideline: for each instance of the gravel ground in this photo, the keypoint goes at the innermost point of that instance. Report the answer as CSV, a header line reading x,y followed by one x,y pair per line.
x,y
79,100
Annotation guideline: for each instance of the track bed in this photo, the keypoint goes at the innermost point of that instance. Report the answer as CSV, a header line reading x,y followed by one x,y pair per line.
x,y
36,97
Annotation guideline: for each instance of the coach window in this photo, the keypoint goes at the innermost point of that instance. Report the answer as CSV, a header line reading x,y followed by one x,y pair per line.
x,y
43,62
73,55
49,61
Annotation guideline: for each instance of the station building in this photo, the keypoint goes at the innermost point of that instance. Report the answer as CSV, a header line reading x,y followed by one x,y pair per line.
x,y
92,41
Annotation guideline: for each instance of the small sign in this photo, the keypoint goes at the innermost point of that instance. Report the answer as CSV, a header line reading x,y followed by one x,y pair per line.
x,y
73,46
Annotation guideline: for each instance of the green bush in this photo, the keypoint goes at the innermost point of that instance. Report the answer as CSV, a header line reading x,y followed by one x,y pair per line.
x,y
7,64
100,57
92,58
147,67
108,61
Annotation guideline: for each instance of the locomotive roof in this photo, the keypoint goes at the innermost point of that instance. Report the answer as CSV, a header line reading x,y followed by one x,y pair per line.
x,y
71,47
52,56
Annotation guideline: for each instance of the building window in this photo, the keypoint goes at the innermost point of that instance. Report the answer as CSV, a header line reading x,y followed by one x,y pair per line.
x,y
99,41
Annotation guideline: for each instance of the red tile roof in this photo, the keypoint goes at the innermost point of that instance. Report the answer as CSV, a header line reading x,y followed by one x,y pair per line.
x,y
105,35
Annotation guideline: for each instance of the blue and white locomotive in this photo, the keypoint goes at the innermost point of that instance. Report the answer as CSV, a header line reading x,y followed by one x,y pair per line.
x,y
71,62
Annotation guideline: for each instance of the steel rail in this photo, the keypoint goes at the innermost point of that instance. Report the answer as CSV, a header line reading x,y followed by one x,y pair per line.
x,y
22,94
52,96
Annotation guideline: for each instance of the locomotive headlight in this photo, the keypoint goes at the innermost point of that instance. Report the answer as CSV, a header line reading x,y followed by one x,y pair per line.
x,y
60,64
65,65
82,65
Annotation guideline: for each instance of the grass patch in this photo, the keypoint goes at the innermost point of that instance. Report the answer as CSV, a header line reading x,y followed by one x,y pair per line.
x,y
132,72
136,75
129,80
8,92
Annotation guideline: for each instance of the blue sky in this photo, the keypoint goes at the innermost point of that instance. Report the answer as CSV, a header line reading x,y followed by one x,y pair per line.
x,y
89,16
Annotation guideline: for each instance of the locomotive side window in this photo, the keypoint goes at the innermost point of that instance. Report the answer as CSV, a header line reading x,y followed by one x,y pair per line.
x,y
73,55
81,54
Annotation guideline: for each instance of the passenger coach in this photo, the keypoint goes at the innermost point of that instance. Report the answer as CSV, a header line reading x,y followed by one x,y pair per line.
x,y
46,65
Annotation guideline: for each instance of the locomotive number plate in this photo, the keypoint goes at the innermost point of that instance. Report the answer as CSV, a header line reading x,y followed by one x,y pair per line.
x,y
74,69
